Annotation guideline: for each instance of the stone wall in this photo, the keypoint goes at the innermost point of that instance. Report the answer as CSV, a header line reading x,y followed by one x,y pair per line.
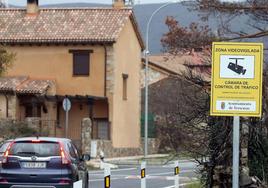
x,y
12,106
153,76
110,70
86,135
109,151
107,148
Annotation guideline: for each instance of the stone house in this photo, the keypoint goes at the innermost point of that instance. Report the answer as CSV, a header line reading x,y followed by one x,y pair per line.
x,y
168,85
164,65
92,56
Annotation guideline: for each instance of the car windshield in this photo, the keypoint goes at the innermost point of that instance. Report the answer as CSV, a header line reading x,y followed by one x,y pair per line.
x,y
40,149
3,147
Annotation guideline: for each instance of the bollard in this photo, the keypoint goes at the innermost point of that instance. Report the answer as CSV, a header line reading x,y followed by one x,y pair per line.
x,y
143,174
78,184
107,176
176,174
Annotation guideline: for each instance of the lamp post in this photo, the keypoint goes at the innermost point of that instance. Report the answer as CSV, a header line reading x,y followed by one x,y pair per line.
x,y
146,55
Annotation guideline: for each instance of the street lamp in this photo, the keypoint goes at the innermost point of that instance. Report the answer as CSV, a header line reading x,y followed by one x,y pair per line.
x,y
146,55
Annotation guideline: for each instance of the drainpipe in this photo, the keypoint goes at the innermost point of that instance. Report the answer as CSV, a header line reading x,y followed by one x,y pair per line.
x,y
15,97
6,105
105,69
105,84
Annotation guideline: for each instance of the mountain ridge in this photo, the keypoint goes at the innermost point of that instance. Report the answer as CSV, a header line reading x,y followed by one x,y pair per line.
x,y
179,11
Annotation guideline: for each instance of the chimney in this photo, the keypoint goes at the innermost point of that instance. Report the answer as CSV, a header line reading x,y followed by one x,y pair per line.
x,y
32,6
119,3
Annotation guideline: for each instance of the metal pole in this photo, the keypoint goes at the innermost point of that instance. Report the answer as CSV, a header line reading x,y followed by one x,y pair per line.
x,y
146,54
146,103
236,142
66,123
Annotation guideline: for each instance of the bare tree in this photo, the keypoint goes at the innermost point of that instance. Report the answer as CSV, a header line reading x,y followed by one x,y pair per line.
x,y
227,11
214,133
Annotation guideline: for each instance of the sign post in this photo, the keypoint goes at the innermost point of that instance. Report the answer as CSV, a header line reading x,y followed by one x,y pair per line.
x,y
236,141
236,87
66,104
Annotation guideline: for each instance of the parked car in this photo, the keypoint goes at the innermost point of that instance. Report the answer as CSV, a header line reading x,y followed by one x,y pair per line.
x,y
42,162
3,148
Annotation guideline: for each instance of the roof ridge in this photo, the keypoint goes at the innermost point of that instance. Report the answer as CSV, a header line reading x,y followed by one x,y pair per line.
x,y
22,83
86,25
69,8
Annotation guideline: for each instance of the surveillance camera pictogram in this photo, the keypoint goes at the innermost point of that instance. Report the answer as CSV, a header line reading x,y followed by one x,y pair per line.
x,y
235,67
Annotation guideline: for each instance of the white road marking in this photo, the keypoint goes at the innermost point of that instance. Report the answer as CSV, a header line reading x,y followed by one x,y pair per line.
x,y
168,178
182,184
95,180
164,173
116,170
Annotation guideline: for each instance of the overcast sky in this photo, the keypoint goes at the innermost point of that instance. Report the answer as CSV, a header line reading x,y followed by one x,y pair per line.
x,y
42,2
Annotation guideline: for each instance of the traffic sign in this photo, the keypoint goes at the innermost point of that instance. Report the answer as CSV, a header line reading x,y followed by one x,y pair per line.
x,y
66,104
236,86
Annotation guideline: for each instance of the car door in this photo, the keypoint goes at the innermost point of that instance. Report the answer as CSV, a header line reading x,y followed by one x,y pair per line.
x,y
81,164
74,159
81,167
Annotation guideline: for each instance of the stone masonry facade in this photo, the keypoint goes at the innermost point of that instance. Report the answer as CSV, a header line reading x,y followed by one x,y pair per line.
x,y
107,148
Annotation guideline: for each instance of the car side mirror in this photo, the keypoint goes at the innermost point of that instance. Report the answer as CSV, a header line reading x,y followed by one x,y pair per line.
x,y
86,157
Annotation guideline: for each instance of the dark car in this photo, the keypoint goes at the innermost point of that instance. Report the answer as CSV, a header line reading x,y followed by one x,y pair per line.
x,y
42,162
3,148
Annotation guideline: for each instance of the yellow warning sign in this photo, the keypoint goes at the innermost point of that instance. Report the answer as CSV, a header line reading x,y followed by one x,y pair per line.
x,y
236,85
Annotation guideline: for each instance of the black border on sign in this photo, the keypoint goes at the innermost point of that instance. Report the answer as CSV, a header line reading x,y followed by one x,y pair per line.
x,y
239,78
248,114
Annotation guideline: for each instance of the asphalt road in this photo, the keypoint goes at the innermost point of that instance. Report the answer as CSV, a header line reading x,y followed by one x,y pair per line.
x,y
157,176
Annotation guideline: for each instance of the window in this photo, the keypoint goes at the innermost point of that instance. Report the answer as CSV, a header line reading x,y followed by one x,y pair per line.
x,y
42,149
125,77
71,151
81,62
101,129
33,110
3,147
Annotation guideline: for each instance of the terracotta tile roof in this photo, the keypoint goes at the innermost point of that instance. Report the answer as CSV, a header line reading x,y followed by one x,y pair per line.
x,y
169,63
11,83
65,25
178,64
24,85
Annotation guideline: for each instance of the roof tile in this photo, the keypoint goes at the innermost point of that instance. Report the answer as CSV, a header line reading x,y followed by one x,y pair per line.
x,y
62,25
24,85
